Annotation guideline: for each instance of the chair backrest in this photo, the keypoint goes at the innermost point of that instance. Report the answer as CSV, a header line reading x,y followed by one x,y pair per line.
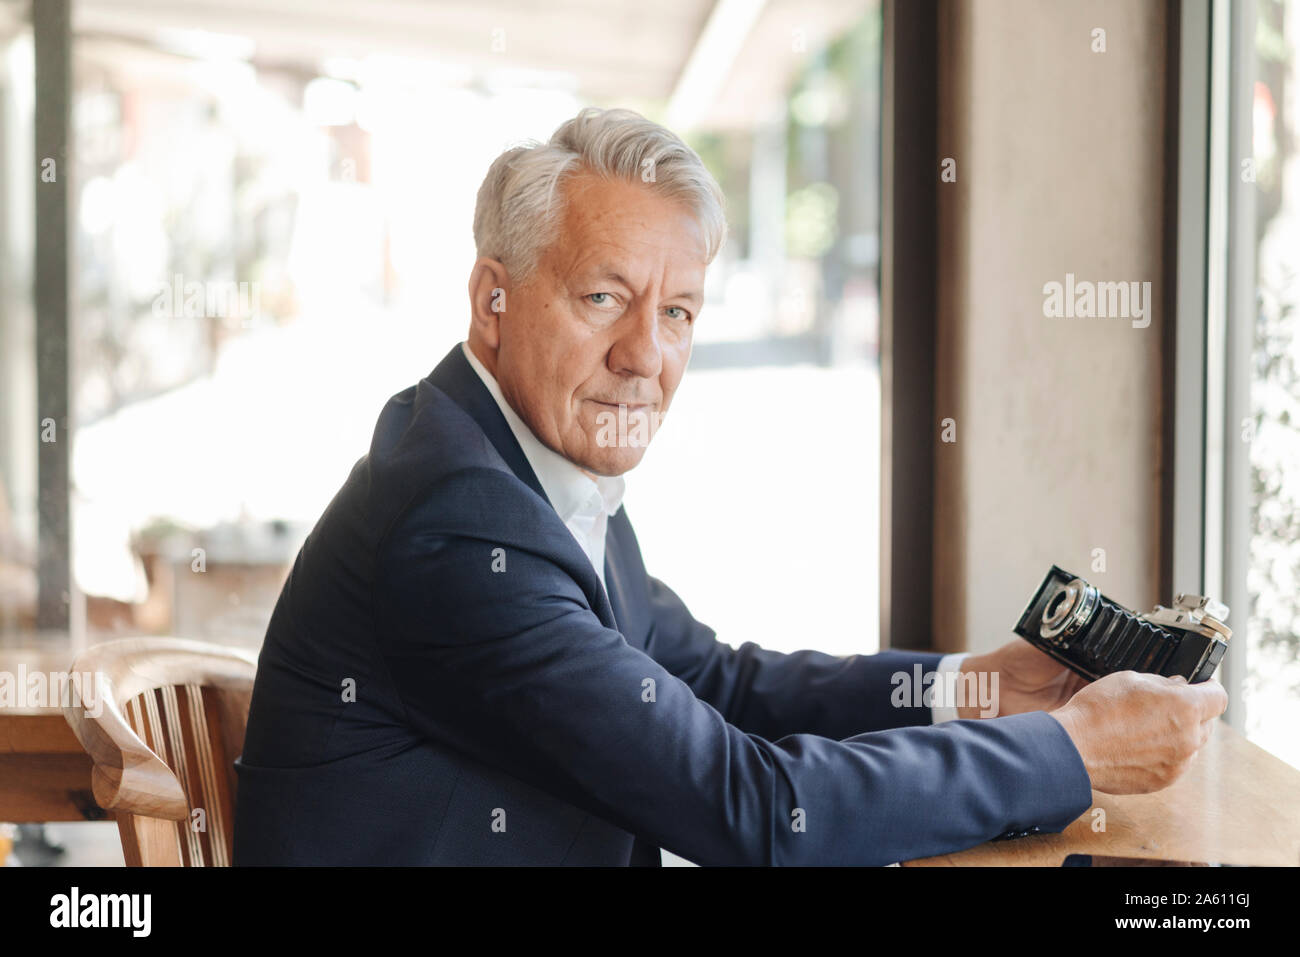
x,y
163,720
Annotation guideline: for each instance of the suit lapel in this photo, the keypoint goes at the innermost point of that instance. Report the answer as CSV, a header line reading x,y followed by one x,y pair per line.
x,y
613,581
457,378
621,572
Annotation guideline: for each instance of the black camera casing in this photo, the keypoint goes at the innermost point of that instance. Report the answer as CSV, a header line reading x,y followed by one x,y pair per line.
x,y
1112,638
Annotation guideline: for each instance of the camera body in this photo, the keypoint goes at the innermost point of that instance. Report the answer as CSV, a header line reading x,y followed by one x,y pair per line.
x,y
1080,627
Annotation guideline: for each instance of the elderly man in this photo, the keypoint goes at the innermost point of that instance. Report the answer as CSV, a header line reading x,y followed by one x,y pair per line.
x,y
470,665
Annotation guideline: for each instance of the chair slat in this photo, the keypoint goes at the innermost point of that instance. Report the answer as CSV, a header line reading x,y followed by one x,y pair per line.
x,y
181,764
212,762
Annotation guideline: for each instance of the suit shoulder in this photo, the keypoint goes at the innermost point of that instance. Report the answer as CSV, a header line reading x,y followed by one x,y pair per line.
x,y
431,466
422,429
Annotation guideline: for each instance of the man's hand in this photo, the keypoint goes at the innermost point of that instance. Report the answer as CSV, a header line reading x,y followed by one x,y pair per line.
x,y
1028,680
1138,732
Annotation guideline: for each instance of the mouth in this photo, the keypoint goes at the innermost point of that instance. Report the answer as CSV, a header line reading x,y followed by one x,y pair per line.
x,y
630,406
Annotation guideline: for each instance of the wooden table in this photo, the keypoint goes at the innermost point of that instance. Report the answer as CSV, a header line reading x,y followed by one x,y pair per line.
x,y
44,771
1236,804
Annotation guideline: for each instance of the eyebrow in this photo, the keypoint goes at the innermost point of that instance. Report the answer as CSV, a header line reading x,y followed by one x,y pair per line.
x,y
608,272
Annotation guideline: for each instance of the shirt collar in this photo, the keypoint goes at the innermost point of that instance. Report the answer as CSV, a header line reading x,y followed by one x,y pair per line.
x,y
570,490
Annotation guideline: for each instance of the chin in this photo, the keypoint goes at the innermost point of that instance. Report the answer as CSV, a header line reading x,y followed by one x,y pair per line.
x,y
611,462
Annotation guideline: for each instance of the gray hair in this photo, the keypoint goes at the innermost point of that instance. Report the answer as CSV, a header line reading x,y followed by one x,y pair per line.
x,y
517,216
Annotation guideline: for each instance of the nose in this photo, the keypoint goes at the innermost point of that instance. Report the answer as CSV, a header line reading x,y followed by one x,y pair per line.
x,y
637,350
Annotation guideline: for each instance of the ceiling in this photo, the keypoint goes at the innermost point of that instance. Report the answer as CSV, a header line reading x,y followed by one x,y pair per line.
x,y
634,52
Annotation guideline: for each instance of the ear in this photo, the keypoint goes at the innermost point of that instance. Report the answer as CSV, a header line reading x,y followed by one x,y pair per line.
x,y
489,287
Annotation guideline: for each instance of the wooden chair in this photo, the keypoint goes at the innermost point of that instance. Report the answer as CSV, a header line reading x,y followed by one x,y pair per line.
x,y
170,722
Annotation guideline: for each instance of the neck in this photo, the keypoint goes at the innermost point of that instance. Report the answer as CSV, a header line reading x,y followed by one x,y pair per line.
x,y
484,355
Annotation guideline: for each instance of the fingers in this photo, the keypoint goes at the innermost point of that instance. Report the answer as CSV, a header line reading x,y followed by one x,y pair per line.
x,y
1210,699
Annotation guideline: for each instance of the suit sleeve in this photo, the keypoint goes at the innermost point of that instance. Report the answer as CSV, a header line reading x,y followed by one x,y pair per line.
x,y
514,668
773,694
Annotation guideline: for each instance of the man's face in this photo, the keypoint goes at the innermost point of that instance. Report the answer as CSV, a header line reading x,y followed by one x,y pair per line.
x,y
604,322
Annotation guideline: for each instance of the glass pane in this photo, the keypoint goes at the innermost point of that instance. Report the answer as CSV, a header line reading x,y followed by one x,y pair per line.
x,y
1273,633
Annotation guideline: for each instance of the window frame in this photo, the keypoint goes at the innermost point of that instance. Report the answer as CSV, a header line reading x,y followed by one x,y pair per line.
x,y
1210,299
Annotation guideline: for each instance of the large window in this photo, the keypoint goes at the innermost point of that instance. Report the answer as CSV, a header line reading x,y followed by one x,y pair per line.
x,y
270,235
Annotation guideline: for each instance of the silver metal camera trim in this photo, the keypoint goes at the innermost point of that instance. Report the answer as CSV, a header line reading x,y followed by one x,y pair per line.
x,y
1197,613
1083,600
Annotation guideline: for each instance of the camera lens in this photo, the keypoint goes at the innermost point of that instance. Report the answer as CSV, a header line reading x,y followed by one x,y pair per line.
x,y
1069,609
1060,605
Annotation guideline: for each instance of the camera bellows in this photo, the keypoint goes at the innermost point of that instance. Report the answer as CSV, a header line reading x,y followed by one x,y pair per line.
x,y
1073,622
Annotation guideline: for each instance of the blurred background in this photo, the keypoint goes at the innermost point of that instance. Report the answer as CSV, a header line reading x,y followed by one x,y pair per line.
x,y
270,210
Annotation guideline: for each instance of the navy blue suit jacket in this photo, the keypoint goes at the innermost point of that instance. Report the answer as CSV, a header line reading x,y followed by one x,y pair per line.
x,y
444,681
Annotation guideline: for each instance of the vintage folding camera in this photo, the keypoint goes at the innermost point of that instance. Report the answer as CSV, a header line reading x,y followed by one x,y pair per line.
x,y
1087,632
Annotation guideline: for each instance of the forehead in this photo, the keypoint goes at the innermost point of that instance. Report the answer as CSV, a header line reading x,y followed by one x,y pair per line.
x,y
613,220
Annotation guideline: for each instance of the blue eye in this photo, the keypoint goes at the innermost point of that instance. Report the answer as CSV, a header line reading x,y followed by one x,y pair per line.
x,y
684,314
593,298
